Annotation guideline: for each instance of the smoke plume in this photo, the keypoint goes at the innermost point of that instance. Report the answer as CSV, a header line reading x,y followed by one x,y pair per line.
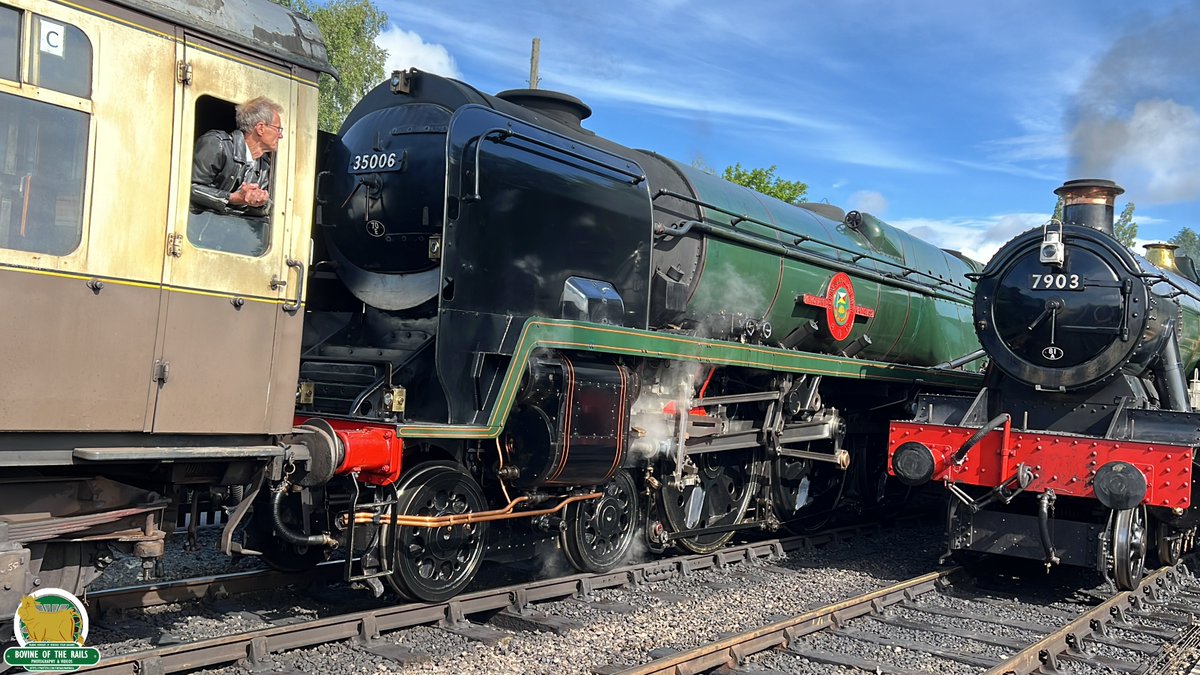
x,y
1135,117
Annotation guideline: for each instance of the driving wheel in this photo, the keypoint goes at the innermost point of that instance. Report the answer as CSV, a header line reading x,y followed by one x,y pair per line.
x,y
600,531
726,484
435,563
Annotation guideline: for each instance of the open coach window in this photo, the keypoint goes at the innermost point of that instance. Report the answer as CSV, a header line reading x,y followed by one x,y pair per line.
x,y
43,146
215,173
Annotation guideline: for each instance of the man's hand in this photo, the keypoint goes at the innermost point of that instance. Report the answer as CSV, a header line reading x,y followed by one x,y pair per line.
x,y
249,194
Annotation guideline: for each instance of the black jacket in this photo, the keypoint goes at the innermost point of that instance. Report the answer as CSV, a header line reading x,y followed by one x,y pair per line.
x,y
219,167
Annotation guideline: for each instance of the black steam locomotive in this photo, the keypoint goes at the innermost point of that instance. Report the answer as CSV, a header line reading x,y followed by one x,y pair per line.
x,y
519,327
1080,448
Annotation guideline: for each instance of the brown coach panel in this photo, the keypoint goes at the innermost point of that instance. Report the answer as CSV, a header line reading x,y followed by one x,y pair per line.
x,y
74,358
215,382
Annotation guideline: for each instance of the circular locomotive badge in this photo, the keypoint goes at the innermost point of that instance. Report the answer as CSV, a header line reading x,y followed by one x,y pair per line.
x,y
50,627
376,228
840,309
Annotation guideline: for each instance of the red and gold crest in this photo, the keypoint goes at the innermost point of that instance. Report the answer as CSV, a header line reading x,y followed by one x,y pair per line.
x,y
840,310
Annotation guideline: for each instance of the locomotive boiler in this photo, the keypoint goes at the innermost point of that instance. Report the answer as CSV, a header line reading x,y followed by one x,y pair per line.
x,y
517,326
1080,448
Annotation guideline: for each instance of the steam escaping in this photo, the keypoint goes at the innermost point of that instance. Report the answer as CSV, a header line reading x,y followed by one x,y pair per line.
x,y
1135,116
654,431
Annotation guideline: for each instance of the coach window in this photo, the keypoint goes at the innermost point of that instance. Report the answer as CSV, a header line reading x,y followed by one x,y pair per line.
x,y
43,147
10,32
60,57
211,223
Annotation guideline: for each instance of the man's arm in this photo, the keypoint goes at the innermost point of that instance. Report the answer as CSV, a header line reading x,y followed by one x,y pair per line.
x,y
264,179
207,162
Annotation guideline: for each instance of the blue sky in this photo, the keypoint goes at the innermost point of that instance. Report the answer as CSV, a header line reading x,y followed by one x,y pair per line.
x,y
954,120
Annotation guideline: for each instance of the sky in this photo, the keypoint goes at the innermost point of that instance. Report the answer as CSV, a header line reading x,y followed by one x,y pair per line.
x,y
953,120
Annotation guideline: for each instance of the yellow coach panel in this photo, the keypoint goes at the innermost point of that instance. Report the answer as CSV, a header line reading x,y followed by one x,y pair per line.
x,y
81,234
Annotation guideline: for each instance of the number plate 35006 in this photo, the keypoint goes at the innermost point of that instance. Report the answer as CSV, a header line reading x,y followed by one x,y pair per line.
x,y
378,161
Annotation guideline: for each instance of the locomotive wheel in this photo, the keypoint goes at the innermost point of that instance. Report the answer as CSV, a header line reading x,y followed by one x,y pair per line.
x,y
728,481
436,563
600,531
1170,543
805,498
1129,546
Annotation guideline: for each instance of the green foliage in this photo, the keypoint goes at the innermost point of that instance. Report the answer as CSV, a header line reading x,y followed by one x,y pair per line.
x,y
350,28
1188,242
1058,209
1125,230
766,182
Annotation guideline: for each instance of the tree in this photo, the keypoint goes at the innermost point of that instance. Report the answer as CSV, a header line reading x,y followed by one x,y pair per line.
x,y
1125,230
350,28
766,182
1058,210
1188,242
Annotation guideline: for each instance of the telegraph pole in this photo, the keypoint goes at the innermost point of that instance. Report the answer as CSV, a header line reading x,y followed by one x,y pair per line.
x,y
533,63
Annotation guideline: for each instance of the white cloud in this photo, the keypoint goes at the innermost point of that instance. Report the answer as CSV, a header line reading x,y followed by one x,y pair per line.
x,y
1161,154
977,238
406,49
870,201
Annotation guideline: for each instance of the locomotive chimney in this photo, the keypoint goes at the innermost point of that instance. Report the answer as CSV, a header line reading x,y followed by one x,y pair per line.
x,y
1089,202
562,108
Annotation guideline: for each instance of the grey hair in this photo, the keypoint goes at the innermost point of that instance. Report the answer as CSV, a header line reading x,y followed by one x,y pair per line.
x,y
250,113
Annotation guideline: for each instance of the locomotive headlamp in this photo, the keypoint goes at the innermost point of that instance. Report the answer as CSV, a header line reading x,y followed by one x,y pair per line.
x,y
401,82
1052,251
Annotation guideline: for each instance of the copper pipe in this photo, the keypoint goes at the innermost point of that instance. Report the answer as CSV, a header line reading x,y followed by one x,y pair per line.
x,y
506,513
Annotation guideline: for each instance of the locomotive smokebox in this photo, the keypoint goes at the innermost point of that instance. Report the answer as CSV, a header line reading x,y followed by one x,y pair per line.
x,y
1089,202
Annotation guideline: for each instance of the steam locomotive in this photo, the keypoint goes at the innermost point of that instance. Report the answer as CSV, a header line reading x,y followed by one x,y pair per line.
x,y
556,336
1079,449
510,333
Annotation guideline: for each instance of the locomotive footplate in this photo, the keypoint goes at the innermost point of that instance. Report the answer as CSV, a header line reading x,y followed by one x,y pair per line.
x,y
1066,464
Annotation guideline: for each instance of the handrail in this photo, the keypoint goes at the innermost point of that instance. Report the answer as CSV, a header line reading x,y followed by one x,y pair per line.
x,y
798,238
501,134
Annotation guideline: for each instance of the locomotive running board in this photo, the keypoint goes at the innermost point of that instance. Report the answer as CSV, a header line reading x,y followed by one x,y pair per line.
x,y
176,454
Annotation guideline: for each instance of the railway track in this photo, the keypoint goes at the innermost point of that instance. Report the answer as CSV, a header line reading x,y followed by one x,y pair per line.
x,y
255,647
210,587
1145,630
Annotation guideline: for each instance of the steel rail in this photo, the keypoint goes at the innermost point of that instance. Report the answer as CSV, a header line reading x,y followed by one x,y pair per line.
x,y
731,650
1068,640
1066,643
200,588
256,646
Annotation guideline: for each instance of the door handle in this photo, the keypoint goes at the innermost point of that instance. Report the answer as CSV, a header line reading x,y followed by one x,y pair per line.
x,y
289,305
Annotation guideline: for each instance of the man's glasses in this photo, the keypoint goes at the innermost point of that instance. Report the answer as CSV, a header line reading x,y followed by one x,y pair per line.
x,y
278,130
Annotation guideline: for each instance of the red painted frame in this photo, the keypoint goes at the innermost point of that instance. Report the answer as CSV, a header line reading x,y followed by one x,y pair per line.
x,y
1066,464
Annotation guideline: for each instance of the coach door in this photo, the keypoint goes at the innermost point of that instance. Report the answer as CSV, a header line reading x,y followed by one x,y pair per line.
x,y
229,287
